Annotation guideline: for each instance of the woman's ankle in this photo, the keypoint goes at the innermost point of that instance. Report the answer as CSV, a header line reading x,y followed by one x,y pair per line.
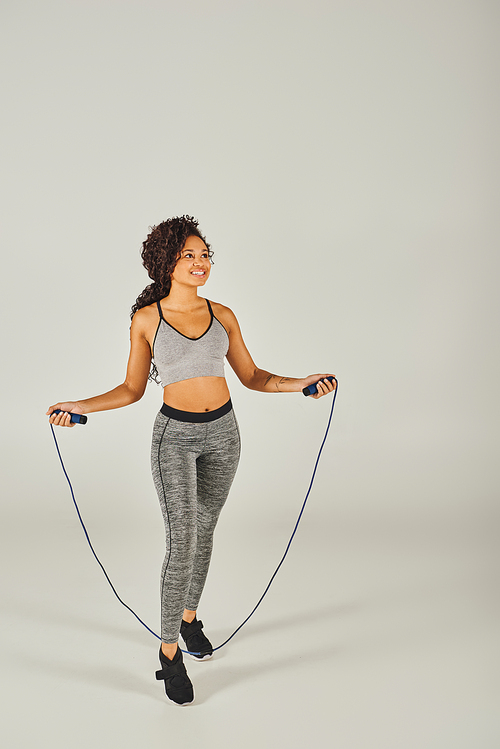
x,y
189,616
168,650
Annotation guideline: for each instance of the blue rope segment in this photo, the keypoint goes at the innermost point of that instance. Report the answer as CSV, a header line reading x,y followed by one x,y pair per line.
x,y
90,542
275,571
294,530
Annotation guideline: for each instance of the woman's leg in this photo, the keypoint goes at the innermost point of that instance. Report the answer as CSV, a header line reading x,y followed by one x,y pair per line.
x,y
175,447
216,468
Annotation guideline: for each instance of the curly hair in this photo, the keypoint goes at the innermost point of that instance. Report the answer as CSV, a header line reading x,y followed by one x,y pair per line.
x,y
160,252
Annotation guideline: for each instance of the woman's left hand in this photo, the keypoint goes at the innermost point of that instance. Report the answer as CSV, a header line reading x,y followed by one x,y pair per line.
x,y
323,385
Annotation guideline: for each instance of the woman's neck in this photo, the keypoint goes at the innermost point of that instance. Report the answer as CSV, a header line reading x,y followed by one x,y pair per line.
x,y
182,297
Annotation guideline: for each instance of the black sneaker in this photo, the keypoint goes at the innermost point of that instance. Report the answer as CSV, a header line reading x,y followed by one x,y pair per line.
x,y
199,646
178,686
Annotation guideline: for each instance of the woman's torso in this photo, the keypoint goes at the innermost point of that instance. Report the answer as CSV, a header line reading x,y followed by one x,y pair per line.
x,y
189,348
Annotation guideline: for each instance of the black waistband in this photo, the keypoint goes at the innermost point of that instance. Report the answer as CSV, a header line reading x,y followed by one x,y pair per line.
x,y
195,417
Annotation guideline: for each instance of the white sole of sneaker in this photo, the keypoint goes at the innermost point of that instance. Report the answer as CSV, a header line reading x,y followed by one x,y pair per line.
x,y
196,658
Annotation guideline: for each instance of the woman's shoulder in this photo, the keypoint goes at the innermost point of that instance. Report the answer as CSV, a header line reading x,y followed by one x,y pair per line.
x,y
145,317
144,313
225,315
220,310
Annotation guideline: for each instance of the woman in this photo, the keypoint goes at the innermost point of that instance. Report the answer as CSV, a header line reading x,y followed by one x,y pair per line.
x,y
196,445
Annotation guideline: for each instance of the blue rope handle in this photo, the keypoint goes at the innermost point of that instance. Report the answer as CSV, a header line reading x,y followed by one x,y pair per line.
x,y
275,571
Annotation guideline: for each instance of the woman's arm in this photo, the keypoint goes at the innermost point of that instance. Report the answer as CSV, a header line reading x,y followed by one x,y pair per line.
x,y
130,391
255,378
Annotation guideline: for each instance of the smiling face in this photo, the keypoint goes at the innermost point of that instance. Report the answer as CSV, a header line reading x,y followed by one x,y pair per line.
x,y
193,266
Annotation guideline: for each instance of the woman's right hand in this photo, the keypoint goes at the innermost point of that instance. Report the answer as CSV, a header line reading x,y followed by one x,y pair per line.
x,y
63,419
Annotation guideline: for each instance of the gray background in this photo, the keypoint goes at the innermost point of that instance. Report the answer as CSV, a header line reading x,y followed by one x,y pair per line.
x,y
342,159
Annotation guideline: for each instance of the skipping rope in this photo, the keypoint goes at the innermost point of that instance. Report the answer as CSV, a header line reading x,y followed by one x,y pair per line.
x,y
275,571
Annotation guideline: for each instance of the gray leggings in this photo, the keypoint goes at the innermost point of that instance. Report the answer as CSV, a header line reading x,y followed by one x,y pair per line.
x,y
193,465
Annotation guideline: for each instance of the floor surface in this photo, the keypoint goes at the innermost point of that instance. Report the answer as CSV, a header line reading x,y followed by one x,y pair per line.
x,y
371,636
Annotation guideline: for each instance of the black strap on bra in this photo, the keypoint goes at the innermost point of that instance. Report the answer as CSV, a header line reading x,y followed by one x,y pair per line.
x,y
159,311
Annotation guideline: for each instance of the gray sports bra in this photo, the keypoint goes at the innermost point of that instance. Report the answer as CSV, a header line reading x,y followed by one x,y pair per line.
x,y
178,357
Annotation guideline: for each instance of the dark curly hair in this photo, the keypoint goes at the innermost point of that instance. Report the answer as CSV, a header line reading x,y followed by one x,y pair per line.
x,y
160,252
